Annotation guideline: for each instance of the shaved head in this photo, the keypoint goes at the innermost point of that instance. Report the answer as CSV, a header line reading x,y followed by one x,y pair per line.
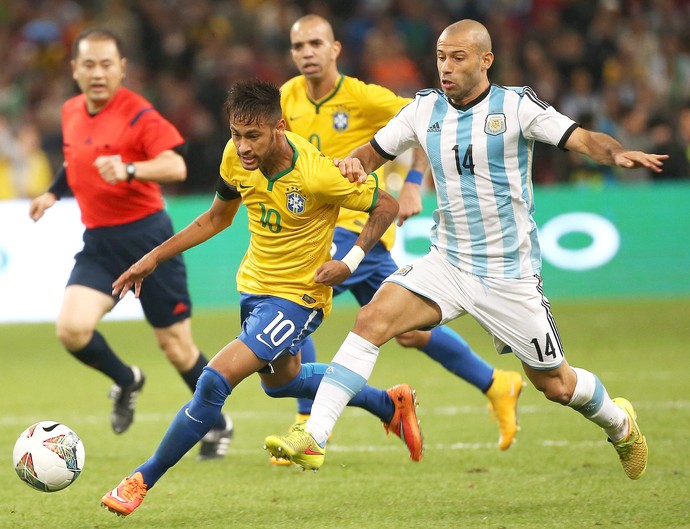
x,y
314,21
471,31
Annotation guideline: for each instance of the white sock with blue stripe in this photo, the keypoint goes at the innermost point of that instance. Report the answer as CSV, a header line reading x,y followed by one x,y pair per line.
x,y
591,400
346,375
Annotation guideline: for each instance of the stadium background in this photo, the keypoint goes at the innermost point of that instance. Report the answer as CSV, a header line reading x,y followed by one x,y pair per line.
x,y
620,66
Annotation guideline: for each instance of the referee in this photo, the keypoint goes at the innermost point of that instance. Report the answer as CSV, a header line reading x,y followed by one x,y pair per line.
x,y
117,150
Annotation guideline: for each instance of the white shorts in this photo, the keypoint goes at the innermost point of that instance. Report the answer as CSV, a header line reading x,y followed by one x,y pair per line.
x,y
514,311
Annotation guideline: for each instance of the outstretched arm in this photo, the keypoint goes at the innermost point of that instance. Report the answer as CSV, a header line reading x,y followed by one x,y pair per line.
x,y
606,150
219,216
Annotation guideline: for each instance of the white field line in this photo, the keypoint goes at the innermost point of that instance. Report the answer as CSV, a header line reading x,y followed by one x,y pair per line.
x,y
385,446
262,414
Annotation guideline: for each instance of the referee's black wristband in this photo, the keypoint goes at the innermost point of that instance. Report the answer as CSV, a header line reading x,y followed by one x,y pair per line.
x,y
59,186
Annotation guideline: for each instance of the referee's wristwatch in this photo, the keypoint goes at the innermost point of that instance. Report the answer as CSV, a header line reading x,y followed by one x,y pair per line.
x,y
131,171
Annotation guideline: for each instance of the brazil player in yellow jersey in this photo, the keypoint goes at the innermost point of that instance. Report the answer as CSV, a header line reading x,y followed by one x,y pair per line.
x,y
293,194
337,113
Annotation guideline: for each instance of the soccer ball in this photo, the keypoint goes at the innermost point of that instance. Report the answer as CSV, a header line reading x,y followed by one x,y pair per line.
x,y
48,456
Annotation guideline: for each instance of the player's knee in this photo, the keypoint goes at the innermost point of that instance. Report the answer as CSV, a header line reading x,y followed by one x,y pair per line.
x,y
212,387
183,358
72,337
277,392
414,339
180,353
177,344
372,323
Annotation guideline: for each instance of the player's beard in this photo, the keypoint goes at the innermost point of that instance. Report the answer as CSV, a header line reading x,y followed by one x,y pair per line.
x,y
272,155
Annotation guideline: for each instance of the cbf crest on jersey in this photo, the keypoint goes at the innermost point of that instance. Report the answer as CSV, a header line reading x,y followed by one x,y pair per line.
x,y
495,124
341,120
295,201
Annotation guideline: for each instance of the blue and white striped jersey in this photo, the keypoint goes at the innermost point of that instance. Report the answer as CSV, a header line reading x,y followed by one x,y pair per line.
x,y
481,159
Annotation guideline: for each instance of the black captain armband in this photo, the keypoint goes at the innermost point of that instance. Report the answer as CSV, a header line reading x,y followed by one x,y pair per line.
x,y
59,186
181,149
225,191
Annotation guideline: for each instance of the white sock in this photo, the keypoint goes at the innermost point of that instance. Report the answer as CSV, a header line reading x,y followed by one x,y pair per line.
x,y
346,375
591,400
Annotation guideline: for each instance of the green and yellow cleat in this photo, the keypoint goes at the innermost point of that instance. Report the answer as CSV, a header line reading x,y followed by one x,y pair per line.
x,y
298,446
300,419
632,449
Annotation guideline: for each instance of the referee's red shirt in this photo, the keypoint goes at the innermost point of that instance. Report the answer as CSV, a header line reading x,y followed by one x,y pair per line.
x,y
127,126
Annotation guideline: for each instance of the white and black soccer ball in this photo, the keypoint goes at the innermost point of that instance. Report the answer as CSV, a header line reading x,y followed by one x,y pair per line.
x,y
48,456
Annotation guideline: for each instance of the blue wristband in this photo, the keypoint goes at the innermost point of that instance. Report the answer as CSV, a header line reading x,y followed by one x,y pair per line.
x,y
414,177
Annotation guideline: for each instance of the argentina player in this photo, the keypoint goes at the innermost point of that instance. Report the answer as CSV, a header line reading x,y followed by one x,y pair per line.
x,y
485,258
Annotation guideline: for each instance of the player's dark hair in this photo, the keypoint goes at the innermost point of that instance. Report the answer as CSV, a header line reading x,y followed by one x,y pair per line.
x,y
97,34
253,101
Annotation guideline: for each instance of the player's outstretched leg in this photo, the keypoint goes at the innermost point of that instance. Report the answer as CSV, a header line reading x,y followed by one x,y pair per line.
x,y
192,422
631,449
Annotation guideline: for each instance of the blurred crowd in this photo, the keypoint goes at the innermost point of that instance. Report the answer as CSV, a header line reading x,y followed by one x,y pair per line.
x,y
619,66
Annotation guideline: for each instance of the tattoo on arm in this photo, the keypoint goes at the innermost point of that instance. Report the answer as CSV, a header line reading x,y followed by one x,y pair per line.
x,y
374,229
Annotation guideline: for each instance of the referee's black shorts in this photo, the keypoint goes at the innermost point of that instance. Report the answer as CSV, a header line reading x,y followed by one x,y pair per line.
x,y
110,251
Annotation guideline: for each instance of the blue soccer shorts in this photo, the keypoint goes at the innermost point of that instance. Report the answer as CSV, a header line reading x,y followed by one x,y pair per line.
x,y
272,326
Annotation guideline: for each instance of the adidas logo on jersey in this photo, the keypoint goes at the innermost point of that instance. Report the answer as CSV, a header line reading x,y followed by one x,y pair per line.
x,y
434,128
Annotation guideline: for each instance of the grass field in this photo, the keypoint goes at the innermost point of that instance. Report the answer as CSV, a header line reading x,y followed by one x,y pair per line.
x,y
560,474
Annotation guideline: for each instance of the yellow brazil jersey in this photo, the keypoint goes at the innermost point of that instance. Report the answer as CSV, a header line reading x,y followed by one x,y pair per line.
x,y
292,215
341,121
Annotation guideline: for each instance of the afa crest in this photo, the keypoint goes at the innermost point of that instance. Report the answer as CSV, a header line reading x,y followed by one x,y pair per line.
x,y
341,120
295,201
495,124
403,271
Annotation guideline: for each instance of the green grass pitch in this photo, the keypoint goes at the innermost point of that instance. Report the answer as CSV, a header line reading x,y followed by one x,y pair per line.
x,y
561,473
